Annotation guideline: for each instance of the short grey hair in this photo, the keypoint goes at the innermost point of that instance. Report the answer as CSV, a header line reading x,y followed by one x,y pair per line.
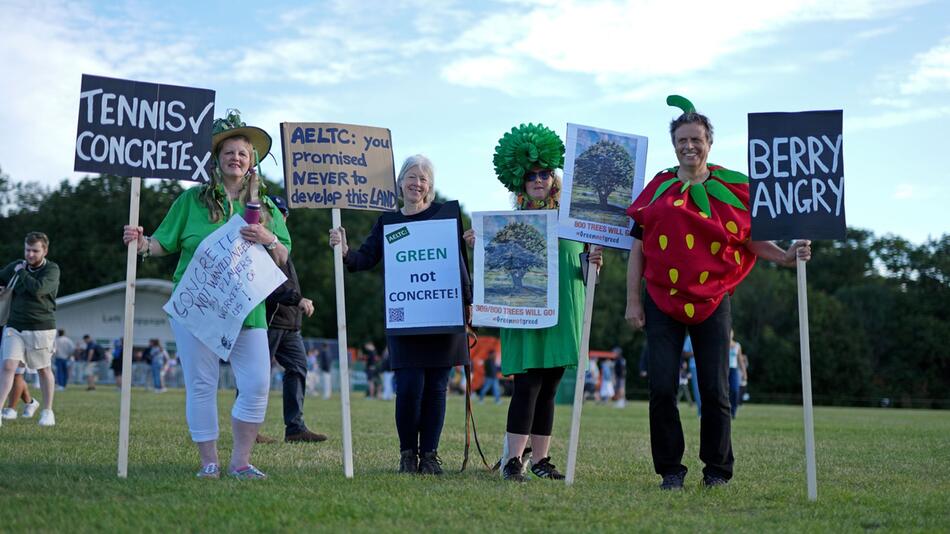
x,y
692,118
425,165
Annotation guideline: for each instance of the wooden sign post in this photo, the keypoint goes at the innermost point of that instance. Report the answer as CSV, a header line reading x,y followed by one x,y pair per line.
x,y
331,165
796,172
131,128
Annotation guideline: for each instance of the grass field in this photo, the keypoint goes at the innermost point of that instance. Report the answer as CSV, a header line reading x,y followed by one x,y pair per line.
x,y
886,470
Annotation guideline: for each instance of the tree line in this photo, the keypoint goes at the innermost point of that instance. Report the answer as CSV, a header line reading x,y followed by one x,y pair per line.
x,y
879,306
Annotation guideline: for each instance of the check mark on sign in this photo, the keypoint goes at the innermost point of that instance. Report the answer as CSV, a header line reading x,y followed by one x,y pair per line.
x,y
195,124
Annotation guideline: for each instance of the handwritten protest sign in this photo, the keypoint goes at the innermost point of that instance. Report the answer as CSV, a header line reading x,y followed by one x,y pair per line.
x,y
130,128
329,165
516,266
227,277
423,277
796,171
603,174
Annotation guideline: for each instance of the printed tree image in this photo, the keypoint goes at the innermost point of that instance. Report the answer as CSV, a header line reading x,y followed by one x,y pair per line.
x,y
516,249
604,167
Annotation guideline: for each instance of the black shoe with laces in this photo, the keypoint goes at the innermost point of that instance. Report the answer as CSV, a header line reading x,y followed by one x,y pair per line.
x,y
513,470
545,469
430,464
408,461
673,482
711,481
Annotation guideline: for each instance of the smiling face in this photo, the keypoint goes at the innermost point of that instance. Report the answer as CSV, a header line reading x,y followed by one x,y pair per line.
x,y
234,157
34,253
415,186
692,145
538,182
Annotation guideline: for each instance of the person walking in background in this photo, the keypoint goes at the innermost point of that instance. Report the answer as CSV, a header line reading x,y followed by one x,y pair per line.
x,y
685,376
491,378
386,369
744,385
158,362
372,369
620,377
326,377
65,347
606,380
30,333
694,377
19,391
286,307
735,373
94,357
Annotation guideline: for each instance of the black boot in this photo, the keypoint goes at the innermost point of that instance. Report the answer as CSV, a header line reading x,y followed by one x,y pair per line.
x,y
430,464
408,461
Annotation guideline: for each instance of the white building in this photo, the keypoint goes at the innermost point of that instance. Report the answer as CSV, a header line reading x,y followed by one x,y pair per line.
x,y
100,313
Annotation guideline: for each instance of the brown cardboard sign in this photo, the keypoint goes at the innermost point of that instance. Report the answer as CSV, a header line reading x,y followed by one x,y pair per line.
x,y
331,165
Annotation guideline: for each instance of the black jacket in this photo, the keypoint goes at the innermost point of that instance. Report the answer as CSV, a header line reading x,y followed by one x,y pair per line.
x,y
282,310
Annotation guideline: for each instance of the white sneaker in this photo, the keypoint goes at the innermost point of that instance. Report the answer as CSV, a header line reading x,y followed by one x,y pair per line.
x,y
8,413
47,418
30,408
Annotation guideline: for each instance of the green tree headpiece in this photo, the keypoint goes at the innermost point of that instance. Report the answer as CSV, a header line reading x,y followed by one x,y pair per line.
x,y
232,125
524,147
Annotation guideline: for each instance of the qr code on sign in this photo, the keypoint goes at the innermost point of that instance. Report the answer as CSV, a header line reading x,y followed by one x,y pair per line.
x,y
397,315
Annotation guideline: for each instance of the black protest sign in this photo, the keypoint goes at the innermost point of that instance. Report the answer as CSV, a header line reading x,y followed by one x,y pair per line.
x,y
131,128
796,171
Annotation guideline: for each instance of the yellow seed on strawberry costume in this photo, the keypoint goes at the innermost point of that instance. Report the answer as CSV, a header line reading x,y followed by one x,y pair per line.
x,y
673,291
704,215
663,242
703,276
689,309
714,247
731,226
689,241
674,275
738,257
679,202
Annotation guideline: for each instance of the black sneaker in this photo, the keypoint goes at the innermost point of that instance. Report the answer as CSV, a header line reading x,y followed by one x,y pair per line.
x,y
408,461
545,469
513,470
430,464
711,481
673,482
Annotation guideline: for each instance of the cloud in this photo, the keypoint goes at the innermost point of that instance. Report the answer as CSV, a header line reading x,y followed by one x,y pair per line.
x,y
931,71
904,192
46,51
895,118
624,45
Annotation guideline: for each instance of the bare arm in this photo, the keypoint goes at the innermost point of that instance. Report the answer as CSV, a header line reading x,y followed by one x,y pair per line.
x,y
770,251
145,245
634,314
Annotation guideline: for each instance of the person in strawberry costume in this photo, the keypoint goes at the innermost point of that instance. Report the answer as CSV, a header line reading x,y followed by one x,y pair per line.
x,y
693,247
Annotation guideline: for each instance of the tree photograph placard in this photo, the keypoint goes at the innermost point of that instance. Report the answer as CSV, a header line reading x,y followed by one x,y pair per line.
x,y
603,173
515,269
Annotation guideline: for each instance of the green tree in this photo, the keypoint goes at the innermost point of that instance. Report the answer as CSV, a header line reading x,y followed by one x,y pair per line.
x,y
605,166
516,249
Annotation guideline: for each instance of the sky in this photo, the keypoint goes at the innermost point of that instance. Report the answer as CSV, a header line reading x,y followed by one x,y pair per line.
x,y
449,78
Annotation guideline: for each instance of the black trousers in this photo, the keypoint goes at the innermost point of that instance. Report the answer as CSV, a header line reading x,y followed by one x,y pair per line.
x,y
710,339
420,407
287,347
531,410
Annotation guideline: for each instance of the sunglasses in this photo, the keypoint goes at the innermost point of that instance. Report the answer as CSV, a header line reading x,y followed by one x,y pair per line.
x,y
538,175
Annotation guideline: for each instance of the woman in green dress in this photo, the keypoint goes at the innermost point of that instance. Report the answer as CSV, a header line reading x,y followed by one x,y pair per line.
x,y
525,162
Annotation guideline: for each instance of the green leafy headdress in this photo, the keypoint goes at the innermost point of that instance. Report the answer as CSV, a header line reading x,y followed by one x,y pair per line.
x,y
524,147
231,126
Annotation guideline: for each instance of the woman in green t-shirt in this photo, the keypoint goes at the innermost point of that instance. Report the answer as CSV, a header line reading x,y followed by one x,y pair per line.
x,y
197,213
525,162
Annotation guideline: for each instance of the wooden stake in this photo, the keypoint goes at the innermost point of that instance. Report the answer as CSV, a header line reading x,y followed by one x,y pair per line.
x,y
810,468
125,403
343,354
583,358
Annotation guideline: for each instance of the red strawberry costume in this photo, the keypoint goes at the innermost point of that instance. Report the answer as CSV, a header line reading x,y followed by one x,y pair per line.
x,y
694,239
